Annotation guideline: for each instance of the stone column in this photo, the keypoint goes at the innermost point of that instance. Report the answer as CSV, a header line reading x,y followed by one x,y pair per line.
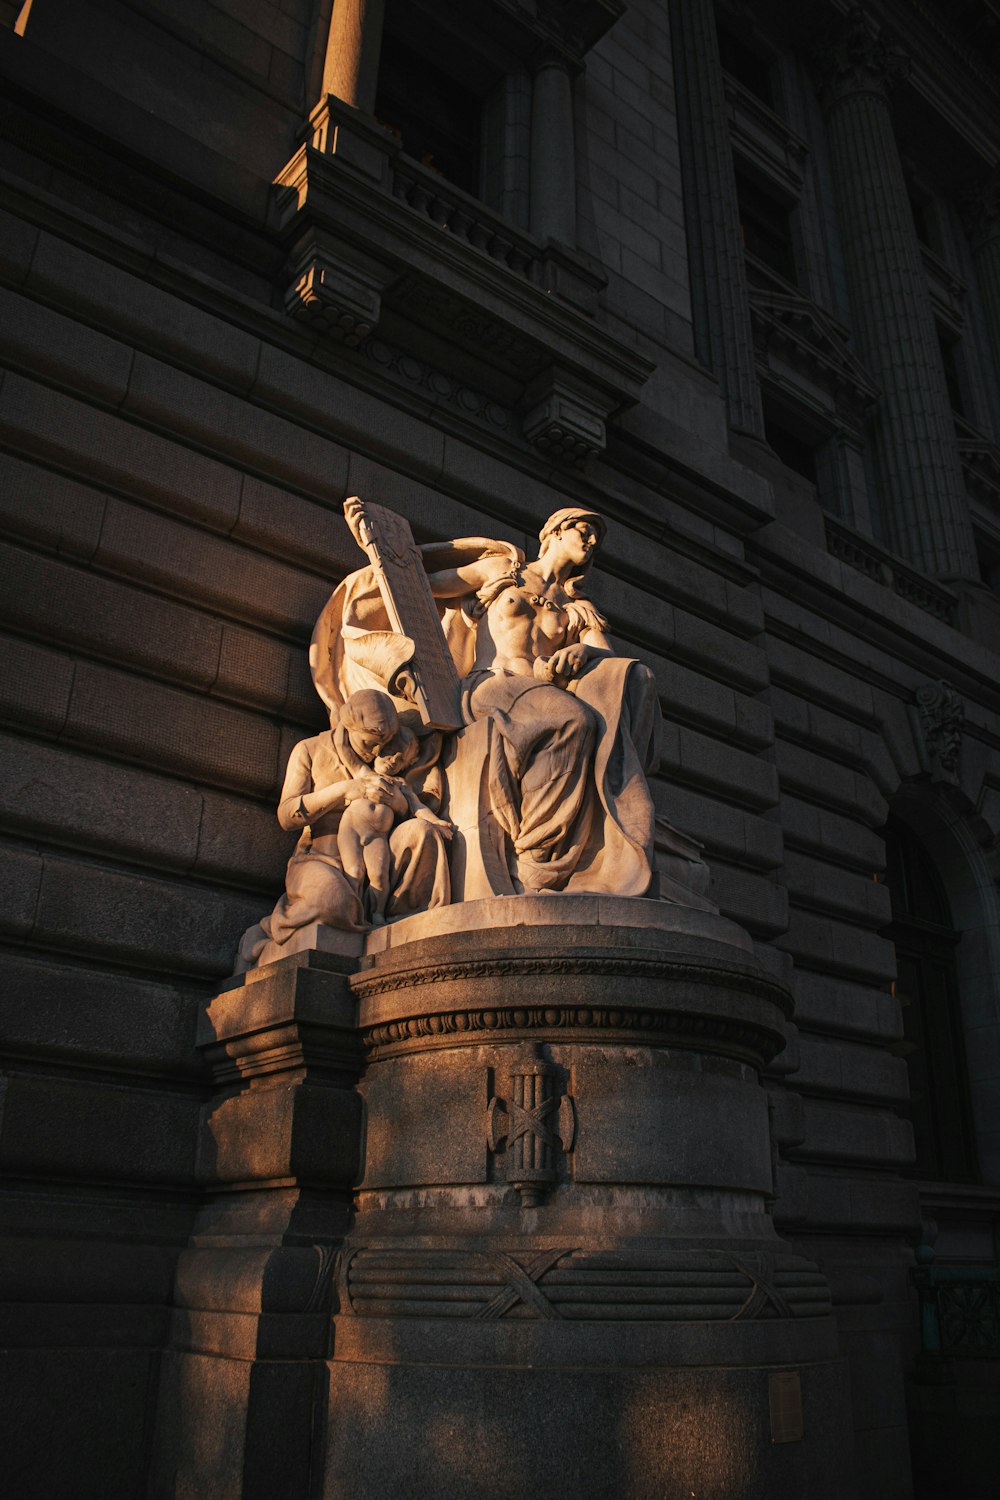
x,y
980,208
350,70
926,511
719,301
553,153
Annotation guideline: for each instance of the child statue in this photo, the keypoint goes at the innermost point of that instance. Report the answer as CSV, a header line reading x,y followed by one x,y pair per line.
x,y
369,735
382,779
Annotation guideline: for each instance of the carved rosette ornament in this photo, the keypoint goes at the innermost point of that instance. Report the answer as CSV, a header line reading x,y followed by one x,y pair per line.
x,y
858,56
940,715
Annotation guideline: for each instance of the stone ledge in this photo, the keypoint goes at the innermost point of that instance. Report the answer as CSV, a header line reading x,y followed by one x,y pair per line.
x,y
369,231
501,913
542,1343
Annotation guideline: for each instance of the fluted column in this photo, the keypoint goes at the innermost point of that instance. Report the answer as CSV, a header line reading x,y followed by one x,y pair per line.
x,y
553,153
924,502
719,300
981,215
350,68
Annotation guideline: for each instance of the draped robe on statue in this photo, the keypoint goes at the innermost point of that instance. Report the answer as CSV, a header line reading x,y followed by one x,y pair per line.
x,y
567,765
316,887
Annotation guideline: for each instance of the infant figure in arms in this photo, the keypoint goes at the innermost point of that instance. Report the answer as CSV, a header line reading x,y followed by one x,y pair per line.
x,y
464,680
362,796
369,734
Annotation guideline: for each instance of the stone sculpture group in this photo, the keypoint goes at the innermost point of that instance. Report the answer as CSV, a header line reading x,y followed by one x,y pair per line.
x,y
515,1036
485,739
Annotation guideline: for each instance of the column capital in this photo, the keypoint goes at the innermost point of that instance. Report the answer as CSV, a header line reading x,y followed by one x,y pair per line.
x,y
857,56
548,55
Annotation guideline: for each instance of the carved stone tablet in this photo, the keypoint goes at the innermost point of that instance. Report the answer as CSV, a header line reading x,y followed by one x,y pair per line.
x,y
409,603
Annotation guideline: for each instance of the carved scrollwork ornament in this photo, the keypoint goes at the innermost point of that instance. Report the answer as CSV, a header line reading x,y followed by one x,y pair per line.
x,y
858,56
940,714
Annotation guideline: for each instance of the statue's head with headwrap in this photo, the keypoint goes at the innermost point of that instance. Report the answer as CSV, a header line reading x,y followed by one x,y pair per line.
x,y
578,531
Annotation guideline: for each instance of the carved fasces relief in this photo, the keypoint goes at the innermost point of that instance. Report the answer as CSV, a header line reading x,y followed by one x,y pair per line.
x,y
939,713
531,1126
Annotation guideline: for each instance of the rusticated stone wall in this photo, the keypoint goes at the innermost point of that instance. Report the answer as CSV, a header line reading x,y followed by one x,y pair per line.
x,y
175,452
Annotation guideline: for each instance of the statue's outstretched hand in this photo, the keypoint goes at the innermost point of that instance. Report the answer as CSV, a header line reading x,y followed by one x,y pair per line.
x,y
564,664
441,824
354,515
372,787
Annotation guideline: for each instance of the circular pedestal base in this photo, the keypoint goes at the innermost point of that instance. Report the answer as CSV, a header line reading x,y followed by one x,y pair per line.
x,y
563,1277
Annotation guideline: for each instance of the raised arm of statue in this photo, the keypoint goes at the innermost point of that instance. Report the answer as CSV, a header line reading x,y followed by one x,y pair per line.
x,y
570,727
471,577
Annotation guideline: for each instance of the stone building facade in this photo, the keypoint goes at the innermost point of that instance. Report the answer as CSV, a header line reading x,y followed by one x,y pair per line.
x,y
728,274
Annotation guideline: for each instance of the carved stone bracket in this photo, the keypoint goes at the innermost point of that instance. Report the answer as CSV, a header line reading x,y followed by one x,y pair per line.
x,y
939,713
371,233
564,421
532,1125
344,298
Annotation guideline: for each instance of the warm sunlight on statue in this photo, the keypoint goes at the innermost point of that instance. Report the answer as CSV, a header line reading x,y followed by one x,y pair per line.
x,y
547,785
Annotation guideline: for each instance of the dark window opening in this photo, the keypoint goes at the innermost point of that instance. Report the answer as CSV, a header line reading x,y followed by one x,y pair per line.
x,y
988,553
747,67
796,453
952,373
765,227
927,988
437,119
922,221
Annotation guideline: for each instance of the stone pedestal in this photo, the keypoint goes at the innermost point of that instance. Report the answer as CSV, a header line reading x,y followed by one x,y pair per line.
x,y
242,1386
562,1275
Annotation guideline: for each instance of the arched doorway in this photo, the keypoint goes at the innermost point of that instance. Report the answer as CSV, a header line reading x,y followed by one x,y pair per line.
x,y
927,985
